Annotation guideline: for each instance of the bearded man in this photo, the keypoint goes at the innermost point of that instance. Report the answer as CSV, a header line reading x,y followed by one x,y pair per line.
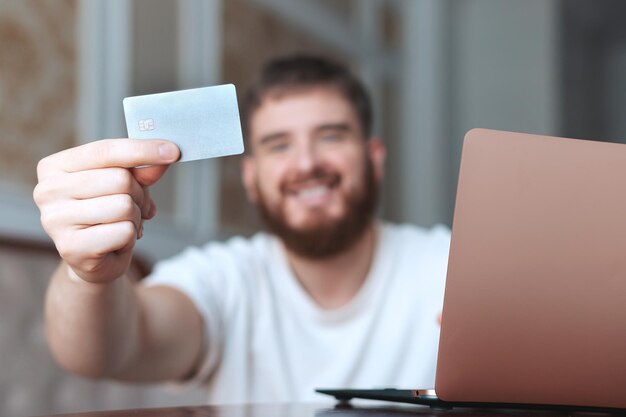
x,y
328,297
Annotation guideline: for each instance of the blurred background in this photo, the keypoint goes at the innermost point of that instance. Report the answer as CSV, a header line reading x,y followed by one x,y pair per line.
x,y
435,68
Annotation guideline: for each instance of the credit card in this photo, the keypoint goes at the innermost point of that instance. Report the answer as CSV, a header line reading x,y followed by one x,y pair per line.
x,y
203,122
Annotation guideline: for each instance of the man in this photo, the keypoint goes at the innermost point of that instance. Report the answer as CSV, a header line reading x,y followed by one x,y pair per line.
x,y
331,297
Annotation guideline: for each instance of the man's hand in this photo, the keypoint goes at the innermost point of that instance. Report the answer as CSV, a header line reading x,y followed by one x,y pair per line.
x,y
93,201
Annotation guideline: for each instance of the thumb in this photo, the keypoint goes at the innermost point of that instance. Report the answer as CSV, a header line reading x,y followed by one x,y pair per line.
x,y
147,176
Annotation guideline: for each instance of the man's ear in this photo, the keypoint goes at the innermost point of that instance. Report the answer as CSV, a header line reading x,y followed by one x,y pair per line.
x,y
248,177
377,153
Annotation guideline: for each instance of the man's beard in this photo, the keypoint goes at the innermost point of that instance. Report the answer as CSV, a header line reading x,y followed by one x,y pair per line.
x,y
327,238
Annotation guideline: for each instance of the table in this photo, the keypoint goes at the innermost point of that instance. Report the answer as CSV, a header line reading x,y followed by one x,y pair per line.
x,y
310,410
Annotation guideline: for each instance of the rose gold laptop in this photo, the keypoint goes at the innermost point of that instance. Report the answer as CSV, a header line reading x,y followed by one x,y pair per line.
x,y
535,305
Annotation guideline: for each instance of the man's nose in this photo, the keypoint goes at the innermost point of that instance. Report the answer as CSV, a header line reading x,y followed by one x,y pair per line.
x,y
306,158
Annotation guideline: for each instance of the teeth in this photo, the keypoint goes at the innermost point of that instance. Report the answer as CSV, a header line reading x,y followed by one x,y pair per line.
x,y
313,192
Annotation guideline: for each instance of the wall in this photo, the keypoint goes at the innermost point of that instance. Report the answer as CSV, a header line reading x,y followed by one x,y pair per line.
x,y
37,100
37,84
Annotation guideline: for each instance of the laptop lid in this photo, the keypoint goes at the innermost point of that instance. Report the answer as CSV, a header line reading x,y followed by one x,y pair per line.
x,y
535,302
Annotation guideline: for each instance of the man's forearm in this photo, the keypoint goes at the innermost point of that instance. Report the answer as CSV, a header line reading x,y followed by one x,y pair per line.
x,y
93,329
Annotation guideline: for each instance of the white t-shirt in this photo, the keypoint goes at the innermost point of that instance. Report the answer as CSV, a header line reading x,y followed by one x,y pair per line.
x,y
267,340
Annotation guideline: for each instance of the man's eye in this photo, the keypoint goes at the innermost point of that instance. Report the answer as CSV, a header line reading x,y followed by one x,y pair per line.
x,y
278,147
331,138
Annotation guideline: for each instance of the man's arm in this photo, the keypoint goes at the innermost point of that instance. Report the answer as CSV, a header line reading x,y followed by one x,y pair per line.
x,y
93,203
121,330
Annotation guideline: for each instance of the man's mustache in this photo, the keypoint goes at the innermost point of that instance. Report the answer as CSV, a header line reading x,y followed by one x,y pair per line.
x,y
328,176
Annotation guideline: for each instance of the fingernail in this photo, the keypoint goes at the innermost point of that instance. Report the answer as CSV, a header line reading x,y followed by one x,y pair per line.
x,y
168,151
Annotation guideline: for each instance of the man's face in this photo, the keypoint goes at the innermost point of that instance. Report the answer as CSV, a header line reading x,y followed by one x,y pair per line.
x,y
311,171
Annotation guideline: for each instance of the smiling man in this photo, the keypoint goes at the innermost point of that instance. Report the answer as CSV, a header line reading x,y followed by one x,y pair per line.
x,y
328,297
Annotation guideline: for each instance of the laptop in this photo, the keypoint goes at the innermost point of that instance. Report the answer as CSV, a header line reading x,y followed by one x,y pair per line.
x,y
534,309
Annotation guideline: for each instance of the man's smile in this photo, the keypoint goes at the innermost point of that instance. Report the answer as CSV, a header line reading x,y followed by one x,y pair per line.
x,y
312,192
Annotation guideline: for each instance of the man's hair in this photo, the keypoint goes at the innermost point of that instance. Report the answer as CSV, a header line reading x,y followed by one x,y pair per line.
x,y
292,73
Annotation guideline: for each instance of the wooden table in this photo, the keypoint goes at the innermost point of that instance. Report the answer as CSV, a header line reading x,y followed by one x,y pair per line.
x,y
307,410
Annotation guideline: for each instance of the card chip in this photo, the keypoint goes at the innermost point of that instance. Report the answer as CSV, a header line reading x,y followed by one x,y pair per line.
x,y
146,124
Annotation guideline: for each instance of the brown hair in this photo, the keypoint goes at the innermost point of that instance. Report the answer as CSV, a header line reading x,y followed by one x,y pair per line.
x,y
295,72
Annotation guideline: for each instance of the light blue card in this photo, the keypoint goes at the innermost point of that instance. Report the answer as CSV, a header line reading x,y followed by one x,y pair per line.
x,y
203,122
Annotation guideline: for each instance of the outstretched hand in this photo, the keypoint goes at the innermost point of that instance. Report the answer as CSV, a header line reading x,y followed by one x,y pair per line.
x,y
94,198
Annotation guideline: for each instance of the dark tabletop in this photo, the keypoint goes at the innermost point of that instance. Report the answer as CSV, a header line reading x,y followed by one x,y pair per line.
x,y
307,410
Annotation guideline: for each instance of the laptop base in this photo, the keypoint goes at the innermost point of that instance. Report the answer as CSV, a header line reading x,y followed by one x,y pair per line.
x,y
343,396
387,394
